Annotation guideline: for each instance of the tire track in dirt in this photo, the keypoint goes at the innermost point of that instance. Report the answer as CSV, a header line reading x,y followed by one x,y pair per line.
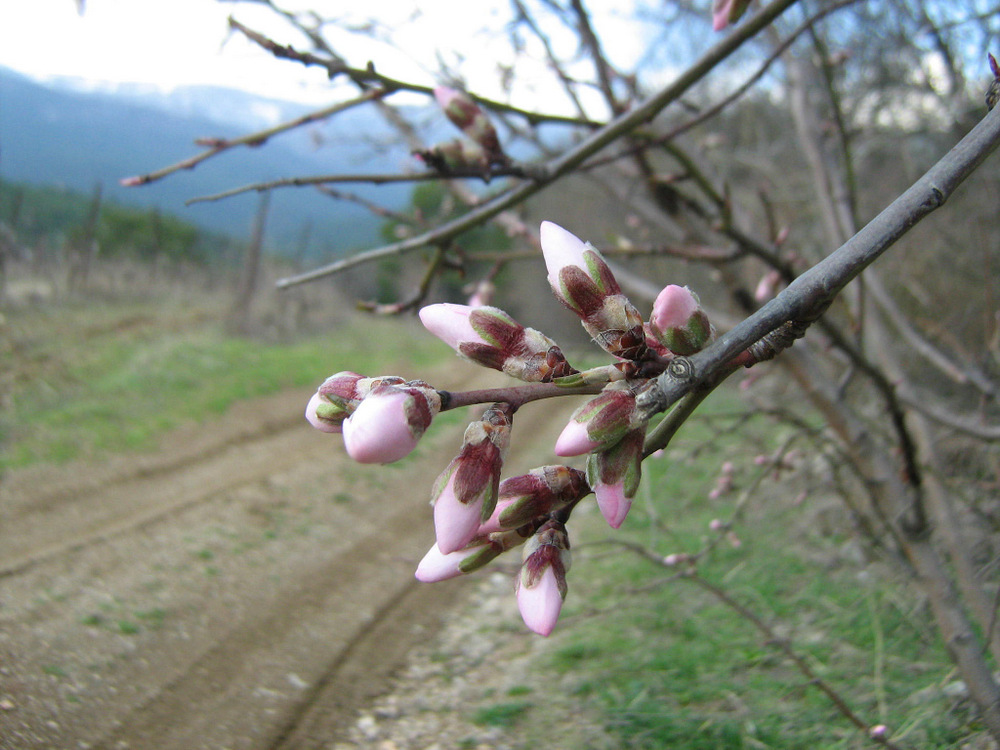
x,y
281,647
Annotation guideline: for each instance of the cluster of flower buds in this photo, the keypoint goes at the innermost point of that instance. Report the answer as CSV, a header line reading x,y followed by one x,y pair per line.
x,y
477,514
382,418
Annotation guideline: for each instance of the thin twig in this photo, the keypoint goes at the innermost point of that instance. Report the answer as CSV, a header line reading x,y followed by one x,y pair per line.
x,y
571,159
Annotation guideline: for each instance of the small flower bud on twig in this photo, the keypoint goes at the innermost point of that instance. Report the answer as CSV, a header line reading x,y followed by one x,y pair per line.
x,y
541,585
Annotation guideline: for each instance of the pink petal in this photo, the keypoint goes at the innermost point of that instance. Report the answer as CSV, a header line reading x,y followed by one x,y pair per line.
x,y
455,523
612,502
560,249
540,605
437,566
673,307
492,524
378,432
574,440
450,323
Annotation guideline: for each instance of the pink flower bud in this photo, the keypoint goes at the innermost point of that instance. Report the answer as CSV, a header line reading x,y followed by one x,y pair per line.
x,y
437,566
490,337
615,474
678,322
612,502
581,279
601,422
541,585
389,422
470,119
528,497
466,491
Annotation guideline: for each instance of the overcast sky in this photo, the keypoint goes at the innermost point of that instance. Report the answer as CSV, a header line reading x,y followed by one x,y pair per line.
x,y
170,43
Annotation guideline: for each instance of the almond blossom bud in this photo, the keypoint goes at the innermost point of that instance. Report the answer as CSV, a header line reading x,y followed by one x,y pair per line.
x,y
490,337
524,498
470,119
541,585
437,566
725,12
614,475
601,422
582,280
339,396
466,491
678,322
389,422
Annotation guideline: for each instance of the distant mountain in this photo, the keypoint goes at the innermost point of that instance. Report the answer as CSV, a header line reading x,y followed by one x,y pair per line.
x,y
56,134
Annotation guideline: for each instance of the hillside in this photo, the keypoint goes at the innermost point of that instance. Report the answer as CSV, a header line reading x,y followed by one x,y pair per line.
x,y
57,135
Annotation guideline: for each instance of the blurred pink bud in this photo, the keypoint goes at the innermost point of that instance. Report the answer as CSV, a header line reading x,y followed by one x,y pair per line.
x,y
725,12
389,422
878,732
131,181
482,295
767,287
716,525
678,322
470,119
728,467
734,541
612,502
675,558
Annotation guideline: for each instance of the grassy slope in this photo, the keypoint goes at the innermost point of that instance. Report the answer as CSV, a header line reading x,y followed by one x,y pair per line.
x,y
90,380
651,659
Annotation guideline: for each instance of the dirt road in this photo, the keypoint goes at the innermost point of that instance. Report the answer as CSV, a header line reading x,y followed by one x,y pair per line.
x,y
246,587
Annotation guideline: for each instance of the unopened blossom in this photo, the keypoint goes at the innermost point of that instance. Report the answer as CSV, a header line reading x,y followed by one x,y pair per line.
x,y
614,475
530,496
389,422
466,491
678,321
470,119
725,12
601,422
437,566
490,337
541,584
335,400
581,279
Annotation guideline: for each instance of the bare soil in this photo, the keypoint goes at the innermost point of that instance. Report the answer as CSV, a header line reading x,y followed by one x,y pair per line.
x,y
247,586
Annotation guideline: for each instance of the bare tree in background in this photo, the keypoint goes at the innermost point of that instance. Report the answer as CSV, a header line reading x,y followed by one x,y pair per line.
x,y
852,103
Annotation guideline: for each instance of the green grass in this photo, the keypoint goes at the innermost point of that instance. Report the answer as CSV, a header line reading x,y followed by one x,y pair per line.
x,y
91,381
659,662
